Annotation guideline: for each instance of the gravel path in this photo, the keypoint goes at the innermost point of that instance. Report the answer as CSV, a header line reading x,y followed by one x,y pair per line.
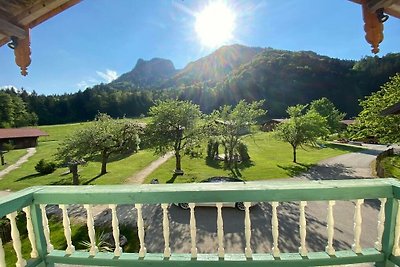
x,y
139,177
30,152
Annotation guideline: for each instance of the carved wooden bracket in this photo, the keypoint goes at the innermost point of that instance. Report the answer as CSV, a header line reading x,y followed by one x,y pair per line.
x,y
23,53
373,28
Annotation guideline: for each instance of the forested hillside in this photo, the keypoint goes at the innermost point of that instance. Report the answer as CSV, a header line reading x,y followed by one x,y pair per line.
x,y
282,78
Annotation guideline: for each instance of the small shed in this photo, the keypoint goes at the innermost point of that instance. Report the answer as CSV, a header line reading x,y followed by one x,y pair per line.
x,y
391,110
270,125
20,137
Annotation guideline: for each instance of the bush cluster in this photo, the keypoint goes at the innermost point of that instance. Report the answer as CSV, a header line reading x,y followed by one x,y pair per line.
x,y
45,167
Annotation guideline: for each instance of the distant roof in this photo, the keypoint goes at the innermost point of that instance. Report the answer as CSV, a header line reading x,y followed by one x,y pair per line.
x,y
391,110
347,122
276,120
21,132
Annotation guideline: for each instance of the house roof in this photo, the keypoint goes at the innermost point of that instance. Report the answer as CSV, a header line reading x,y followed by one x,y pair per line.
x,y
391,110
20,133
347,122
18,15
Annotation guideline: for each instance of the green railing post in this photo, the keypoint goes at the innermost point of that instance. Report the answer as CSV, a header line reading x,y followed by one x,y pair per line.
x,y
41,244
388,234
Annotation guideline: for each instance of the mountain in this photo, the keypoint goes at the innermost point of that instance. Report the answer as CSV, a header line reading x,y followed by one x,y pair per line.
x,y
284,78
147,74
214,67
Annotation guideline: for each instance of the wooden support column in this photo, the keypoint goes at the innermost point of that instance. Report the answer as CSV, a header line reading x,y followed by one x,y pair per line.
x,y
373,27
23,53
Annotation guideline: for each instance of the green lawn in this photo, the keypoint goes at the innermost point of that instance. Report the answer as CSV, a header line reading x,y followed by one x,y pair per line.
x,y
269,159
392,166
12,156
119,168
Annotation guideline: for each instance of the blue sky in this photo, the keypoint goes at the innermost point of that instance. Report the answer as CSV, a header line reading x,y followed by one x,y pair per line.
x,y
98,40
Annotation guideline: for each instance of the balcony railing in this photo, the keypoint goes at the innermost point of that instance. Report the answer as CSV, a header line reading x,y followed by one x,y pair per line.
x,y
33,201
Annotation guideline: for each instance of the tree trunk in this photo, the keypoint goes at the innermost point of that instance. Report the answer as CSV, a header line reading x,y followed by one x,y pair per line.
x,y
294,154
73,168
2,158
178,168
104,159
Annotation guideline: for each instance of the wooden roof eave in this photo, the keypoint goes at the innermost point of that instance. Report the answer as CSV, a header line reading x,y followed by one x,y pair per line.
x,y
20,20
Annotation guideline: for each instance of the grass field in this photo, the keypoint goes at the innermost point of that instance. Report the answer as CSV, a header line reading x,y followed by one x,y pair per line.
x,y
269,159
392,166
119,168
12,156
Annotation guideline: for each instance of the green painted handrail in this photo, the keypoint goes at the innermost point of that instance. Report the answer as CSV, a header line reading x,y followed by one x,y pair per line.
x,y
280,191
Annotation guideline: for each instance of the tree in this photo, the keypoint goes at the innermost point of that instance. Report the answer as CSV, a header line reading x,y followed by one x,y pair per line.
x,y
301,128
370,122
13,111
233,123
327,109
176,126
103,137
71,153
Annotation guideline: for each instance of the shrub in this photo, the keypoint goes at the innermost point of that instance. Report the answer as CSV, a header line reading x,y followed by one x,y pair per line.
x,y
45,167
243,152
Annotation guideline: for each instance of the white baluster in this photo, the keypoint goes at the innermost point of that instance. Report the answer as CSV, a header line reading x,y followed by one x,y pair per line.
x,y
396,248
303,229
247,230
330,228
16,239
381,224
91,232
140,225
31,233
115,227
167,249
220,231
2,255
46,229
193,231
67,230
357,226
275,230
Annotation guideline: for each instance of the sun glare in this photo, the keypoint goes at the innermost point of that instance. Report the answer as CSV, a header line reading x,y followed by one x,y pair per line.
x,y
215,24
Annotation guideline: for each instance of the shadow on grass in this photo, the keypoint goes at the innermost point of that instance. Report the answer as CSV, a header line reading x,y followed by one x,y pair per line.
x,y
236,169
345,147
213,163
30,176
93,179
295,168
113,157
173,178
63,181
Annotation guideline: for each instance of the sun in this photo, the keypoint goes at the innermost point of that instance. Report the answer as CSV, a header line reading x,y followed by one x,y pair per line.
x,y
215,24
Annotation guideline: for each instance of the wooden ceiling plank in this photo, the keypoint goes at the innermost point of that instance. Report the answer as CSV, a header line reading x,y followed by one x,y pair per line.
x,y
11,29
53,12
374,5
38,10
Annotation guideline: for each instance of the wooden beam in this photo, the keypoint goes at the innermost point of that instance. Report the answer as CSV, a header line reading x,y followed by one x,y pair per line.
x,y
53,12
11,29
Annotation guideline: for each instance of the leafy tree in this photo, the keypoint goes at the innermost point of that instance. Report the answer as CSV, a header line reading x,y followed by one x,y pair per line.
x,y
232,123
13,111
103,137
71,153
301,128
327,109
175,126
370,122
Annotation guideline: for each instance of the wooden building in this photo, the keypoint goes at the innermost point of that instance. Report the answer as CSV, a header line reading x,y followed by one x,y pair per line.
x,y
270,125
20,137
